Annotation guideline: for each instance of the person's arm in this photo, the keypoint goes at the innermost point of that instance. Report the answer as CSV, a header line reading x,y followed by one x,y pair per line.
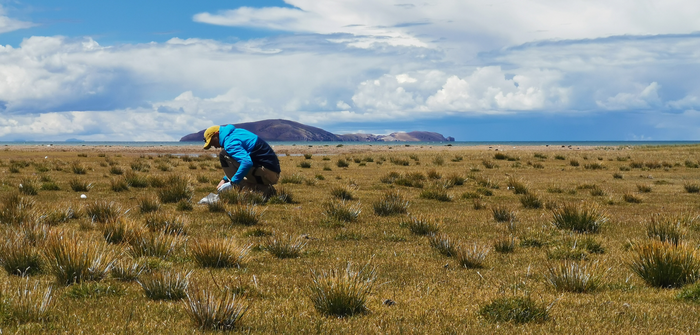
x,y
236,151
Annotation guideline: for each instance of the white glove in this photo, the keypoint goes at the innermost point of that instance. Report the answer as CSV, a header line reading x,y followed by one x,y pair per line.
x,y
225,187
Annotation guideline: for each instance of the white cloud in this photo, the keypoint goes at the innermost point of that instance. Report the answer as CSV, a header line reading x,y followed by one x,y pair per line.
x,y
646,99
8,24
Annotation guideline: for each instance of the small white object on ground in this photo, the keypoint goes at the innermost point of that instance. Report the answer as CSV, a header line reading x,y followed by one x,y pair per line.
x,y
83,196
209,199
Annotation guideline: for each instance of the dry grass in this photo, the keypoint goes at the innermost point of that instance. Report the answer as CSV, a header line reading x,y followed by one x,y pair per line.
x,y
420,286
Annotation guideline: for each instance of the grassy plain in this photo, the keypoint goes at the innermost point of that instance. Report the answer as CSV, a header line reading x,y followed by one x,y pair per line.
x,y
431,292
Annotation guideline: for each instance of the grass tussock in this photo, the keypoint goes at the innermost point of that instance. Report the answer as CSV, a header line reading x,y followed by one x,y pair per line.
x,y
420,225
71,259
665,265
20,257
342,293
284,246
119,184
471,257
443,244
177,188
16,210
148,204
127,270
632,198
248,215
691,187
665,229
219,253
121,230
391,203
515,309
517,186
292,179
26,302
136,180
342,193
573,276
147,244
436,193
78,185
169,285
504,245
214,310
581,218
103,211
283,196
167,224
342,211
502,214
531,201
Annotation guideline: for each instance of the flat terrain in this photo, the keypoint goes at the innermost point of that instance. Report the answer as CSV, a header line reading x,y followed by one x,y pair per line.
x,y
431,293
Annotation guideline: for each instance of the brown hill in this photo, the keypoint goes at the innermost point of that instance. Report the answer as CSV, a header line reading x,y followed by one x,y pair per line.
x,y
285,130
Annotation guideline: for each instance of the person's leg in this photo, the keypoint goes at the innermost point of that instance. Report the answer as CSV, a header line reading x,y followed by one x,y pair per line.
x,y
231,166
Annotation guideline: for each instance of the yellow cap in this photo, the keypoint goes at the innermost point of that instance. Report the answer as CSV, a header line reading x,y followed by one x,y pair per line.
x,y
209,134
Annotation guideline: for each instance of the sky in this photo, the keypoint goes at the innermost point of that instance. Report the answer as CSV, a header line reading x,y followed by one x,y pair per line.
x,y
476,70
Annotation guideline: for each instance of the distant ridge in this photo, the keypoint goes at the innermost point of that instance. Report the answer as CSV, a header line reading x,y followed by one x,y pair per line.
x,y
285,130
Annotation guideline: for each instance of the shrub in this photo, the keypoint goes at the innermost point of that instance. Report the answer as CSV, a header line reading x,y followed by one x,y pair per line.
x,y
436,193
573,277
166,285
514,309
420,225
691,187
665,229
214,311
531,200
148,205
471,257
245,215
443,244
342,193
219,253
27,303
341,292
502,214
78,185
285,246
152,245
177,188
293,179
19,257
582,218
305,165
665,265
74,260
391,203
102,211
341,211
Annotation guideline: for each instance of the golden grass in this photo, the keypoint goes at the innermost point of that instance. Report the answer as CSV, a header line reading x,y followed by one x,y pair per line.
x,y
427,291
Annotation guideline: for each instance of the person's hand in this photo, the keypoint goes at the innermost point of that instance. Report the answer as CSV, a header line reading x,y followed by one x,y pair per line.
x,y
221,183
226,186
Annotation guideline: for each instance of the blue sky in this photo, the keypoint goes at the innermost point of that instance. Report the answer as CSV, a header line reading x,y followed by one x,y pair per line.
x,y
477,70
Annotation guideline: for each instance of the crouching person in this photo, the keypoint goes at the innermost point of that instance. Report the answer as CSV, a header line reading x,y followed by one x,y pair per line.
x,y
248,161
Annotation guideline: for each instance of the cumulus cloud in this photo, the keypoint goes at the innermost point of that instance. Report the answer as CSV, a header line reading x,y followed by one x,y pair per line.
x,y
646,99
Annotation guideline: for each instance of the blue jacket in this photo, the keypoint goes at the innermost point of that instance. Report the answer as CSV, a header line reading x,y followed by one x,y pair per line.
x,y
248,150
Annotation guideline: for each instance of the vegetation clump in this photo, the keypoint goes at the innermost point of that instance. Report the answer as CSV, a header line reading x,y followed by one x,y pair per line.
x,y
581,218
514,309
342,293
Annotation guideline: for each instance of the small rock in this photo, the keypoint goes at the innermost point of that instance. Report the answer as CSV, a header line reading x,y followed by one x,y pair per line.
x,y
83,196
389,302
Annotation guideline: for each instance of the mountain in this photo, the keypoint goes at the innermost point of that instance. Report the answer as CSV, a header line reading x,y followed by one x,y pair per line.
x,y
285,130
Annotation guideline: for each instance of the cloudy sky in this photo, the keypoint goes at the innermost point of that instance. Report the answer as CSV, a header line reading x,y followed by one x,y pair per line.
x,y
477,70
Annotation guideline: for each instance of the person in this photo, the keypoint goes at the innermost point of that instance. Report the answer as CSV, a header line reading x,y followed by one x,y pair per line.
x,y
248,161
